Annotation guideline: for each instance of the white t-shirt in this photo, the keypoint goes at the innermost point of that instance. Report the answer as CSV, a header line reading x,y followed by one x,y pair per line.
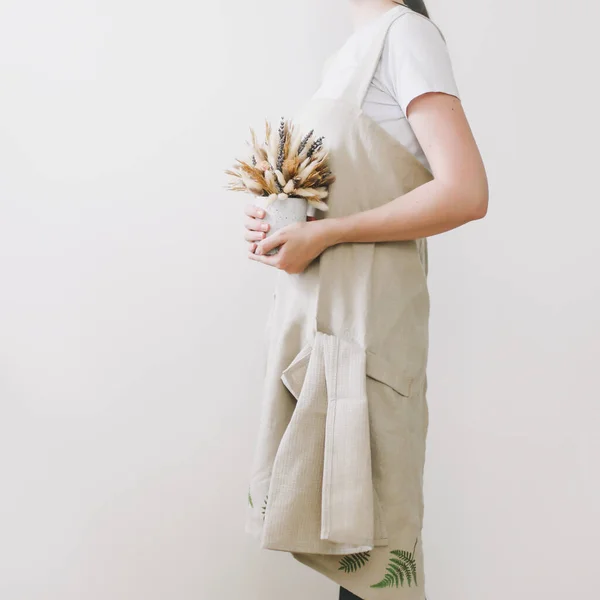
x,y
415,60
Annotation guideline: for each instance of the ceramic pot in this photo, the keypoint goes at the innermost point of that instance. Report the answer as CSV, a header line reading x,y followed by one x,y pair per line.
x,y
280,213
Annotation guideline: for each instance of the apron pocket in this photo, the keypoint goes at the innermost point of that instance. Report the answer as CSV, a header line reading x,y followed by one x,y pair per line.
x,y
294,374
380,369
377,368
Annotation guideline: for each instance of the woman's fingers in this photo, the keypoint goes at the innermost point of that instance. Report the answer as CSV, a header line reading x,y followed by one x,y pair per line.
x,y
256,229
254,236
254,211
256,224
273,241
267,260
255,214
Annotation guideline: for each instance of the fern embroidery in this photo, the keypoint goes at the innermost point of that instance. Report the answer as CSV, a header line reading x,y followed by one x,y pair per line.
x,y
250,499
402,567
353,562
264,507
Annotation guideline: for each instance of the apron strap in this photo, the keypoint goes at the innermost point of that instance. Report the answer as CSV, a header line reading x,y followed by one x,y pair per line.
x,y
356,89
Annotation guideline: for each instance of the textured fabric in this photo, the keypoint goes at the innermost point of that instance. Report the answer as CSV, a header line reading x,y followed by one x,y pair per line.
x,y
415,60
338,471
329,429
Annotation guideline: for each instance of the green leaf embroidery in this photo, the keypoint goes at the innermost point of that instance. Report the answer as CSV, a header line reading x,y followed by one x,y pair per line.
x,y
264,507
353,562
250,499
402,567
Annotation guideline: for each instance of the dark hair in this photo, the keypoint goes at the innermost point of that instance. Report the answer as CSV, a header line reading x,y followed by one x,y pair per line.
x,y
417,6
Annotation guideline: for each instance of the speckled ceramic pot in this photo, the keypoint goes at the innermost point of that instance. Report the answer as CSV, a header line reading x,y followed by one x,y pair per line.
x,y
280,213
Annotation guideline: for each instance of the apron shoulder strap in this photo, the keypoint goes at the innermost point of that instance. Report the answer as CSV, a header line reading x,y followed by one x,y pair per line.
x,y
359,83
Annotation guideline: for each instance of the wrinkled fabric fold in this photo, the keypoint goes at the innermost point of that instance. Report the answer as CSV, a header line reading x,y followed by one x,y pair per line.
x,y
347,497
321,495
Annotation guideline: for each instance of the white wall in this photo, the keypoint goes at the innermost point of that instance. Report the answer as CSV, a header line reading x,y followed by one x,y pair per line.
x,y
130,317
512,486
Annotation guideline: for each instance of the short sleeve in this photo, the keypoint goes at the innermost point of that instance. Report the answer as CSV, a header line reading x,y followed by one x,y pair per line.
x,y
415,60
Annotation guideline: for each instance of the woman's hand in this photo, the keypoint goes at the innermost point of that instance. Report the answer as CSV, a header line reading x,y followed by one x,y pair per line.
x,y
255,229
300,244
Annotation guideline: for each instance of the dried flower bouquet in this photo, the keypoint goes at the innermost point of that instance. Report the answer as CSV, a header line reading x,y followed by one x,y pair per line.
x,y
287,164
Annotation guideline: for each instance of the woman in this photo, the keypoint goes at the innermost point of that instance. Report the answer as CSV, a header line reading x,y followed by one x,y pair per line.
x,y
352,286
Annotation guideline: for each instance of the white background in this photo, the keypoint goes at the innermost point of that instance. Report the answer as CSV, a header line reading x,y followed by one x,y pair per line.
x,y
131,320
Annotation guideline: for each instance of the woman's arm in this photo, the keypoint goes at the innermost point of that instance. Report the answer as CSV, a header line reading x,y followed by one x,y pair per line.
x,y
457,194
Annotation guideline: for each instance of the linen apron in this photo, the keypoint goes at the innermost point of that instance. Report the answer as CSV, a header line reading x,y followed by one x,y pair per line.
x,y
338,473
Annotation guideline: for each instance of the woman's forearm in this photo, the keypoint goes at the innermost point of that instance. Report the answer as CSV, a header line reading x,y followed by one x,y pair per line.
x,y
429,209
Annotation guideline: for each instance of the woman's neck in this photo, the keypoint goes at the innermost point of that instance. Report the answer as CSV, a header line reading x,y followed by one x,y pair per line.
x,y
364,11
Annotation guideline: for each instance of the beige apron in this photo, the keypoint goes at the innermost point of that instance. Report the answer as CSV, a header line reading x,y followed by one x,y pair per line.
x,y
338,473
